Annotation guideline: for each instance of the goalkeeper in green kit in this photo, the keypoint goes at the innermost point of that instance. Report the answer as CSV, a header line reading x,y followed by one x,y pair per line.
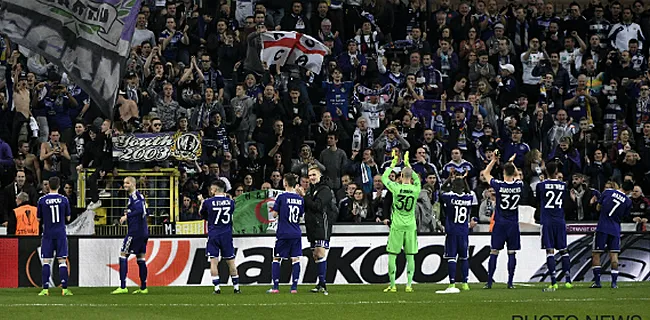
x,y
403,229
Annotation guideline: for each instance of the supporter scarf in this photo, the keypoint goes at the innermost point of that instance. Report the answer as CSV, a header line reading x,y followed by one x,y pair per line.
x,y
356,137
372,92
365,173
365,91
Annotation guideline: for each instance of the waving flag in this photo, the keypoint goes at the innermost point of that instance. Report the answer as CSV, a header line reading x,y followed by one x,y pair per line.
x,y
253,212
88,39
282,48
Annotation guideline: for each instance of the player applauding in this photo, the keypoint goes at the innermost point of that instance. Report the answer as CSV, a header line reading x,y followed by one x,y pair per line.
x,y
613,205
218,211
551,193
288,209
458,206
506,217
403,228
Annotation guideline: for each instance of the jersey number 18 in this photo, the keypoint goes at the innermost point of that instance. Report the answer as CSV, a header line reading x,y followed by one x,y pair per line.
x,y
461,214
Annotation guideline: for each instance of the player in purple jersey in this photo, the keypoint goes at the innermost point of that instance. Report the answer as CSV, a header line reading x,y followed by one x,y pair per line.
x,y
287,210
136,238
457,205
613,205
506,217
218,211
53,210
551,193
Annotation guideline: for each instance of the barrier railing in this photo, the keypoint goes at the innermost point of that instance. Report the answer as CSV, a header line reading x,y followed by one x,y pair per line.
x,y
160,189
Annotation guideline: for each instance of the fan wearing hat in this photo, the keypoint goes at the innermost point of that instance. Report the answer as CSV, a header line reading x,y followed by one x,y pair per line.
x,y
507,85
516,147
493,42
490,152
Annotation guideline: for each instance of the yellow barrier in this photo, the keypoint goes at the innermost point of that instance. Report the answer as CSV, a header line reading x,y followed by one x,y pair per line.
x,y
190,227
160,190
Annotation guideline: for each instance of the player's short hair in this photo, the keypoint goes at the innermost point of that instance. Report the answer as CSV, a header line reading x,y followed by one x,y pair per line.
x,y
219,184
509,169
458,185
290,179
131,179
628,186
551,169
54,182
314,167
407,172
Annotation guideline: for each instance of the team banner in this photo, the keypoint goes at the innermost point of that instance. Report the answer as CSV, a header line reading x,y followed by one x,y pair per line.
x,y
281,47
354,259
253,212
428,111
88,39
144,147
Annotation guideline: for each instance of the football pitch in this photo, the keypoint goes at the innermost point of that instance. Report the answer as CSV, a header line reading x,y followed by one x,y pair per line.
x,y
349,302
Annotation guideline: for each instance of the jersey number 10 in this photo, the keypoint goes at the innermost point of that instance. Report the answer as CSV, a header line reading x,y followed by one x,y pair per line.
x,y
294,214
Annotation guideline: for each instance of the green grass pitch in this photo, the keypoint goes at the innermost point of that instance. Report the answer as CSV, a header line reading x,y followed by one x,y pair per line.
x,y
349,302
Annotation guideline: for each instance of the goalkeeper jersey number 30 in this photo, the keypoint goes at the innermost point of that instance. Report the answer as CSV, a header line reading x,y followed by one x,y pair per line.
x,y
405,197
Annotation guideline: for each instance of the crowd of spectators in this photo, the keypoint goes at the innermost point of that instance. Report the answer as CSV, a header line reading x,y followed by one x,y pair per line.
x,y
543,82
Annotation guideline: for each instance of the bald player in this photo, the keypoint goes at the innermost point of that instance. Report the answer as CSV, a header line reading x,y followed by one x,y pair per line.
x,y
403,228
136,239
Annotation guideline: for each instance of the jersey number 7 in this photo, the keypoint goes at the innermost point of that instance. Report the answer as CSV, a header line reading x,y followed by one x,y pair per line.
x,y
616,204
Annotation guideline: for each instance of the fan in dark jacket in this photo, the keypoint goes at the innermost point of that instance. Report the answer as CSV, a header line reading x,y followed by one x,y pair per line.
x,y
98,155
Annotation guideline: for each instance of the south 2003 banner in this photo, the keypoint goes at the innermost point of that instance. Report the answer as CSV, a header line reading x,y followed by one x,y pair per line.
x,y
352,259
144,147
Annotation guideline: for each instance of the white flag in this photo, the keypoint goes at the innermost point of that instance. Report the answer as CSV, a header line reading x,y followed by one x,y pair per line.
x,y
277,46
293,48
308,53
